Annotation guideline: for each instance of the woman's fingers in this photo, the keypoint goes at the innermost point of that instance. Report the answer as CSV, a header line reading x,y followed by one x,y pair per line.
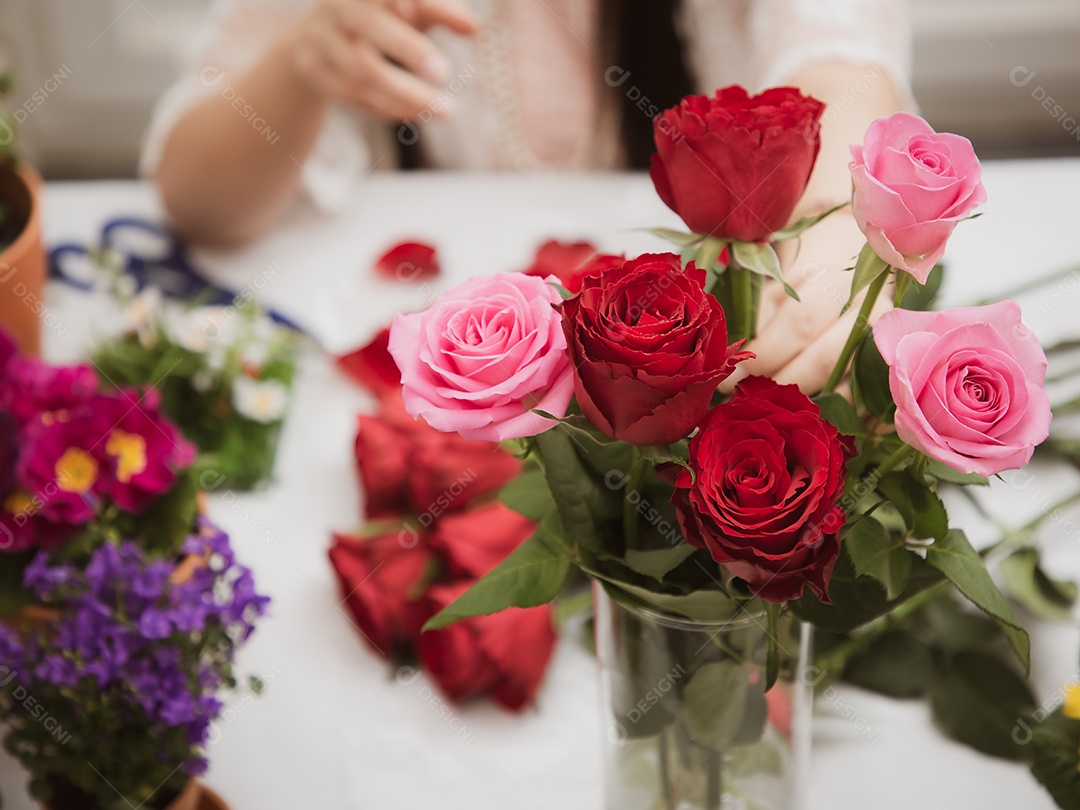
x,y
812,367
454,14
394,36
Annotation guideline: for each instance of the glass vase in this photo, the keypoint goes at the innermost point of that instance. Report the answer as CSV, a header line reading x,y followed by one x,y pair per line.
x,y
688,724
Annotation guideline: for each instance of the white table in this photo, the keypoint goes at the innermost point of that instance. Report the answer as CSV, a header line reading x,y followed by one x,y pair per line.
x,y
334,730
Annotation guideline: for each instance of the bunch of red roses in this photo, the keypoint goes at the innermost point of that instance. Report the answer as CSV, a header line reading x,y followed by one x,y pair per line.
x,y
434,529
70,454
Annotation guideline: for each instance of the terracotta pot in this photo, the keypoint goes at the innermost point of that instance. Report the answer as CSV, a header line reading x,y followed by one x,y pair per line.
x,y
194,796
22,263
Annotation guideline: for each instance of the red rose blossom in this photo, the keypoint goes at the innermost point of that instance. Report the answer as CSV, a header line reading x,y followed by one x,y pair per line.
x,y
768,472
408,467
735,165
472,543
381,580
505,653
649,347
567,261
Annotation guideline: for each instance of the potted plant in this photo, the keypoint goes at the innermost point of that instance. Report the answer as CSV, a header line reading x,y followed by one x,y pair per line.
x,y
120,606
22,256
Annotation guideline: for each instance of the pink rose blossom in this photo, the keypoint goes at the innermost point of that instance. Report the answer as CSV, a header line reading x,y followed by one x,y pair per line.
x,y
488,353
912,185
968,385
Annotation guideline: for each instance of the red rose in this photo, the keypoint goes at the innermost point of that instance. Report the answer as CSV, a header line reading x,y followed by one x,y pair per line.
x,y
768,472
734,166
372,366
506,653
381,580
567,261
406,466
472,543
649,346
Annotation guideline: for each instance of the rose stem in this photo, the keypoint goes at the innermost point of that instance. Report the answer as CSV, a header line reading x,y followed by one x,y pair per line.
x,y
739,292
665,769
714,790
631,497
858,332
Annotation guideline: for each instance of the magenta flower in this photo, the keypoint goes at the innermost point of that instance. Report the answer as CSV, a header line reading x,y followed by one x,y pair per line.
x,y
143,449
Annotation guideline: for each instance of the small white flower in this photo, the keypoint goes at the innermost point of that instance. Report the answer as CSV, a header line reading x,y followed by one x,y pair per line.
x,y
142,310
261,401
202,381
204,327
255,355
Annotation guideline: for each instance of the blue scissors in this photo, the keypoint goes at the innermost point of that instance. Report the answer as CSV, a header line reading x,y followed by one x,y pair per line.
x,y
151,256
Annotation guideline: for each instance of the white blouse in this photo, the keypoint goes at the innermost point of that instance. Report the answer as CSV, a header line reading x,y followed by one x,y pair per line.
x,y
523,89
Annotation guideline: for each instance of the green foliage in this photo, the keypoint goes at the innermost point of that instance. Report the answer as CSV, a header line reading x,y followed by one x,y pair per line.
x,y
1028,584
1055,761
870,380
896,664
958,561
979,700
868,267
533,575
198,392
921,297
878,554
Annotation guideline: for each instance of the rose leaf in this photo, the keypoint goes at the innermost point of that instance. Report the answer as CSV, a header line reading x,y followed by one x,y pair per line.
x,y
957,560
533,575
760,259
874,553
867,268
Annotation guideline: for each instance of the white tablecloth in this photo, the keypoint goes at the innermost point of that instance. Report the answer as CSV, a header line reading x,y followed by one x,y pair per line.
x,y
334,730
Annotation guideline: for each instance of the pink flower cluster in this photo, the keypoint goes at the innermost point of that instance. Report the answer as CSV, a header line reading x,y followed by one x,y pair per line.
x,y
68,451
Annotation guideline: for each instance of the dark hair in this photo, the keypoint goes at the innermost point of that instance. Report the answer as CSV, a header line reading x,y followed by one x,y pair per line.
x,y
640,45
640,39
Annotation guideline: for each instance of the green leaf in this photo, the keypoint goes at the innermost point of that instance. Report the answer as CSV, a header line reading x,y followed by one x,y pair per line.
x,y
857,600
841,414
709,252
528,495
1028,584
563,292
714,703
876,554
963,566
923,511
867,268
532,575
658,562
681,238
943,472
13,597
565,474
955,627
979,701
895,664
801,225
702,605
1054,759
760,259
920,297
870,379
579,426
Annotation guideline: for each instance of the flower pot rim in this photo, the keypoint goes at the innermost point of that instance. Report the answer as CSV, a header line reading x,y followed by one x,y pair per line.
x,y
29,177
675,621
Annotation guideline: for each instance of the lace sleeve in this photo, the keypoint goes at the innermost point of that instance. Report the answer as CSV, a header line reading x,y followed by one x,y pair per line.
x,y
234,35
763,43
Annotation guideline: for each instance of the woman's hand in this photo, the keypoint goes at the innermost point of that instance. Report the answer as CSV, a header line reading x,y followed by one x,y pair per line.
x,y
800,341
373,54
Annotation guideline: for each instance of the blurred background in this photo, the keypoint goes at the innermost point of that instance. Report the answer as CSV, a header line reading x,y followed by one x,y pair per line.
x,y
1002,72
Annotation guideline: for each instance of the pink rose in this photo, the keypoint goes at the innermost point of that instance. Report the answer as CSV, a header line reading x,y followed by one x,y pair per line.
x,y
967,385
487,354
912,185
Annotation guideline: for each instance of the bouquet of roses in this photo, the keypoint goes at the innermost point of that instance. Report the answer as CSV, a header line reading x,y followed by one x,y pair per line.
x,y
693,505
